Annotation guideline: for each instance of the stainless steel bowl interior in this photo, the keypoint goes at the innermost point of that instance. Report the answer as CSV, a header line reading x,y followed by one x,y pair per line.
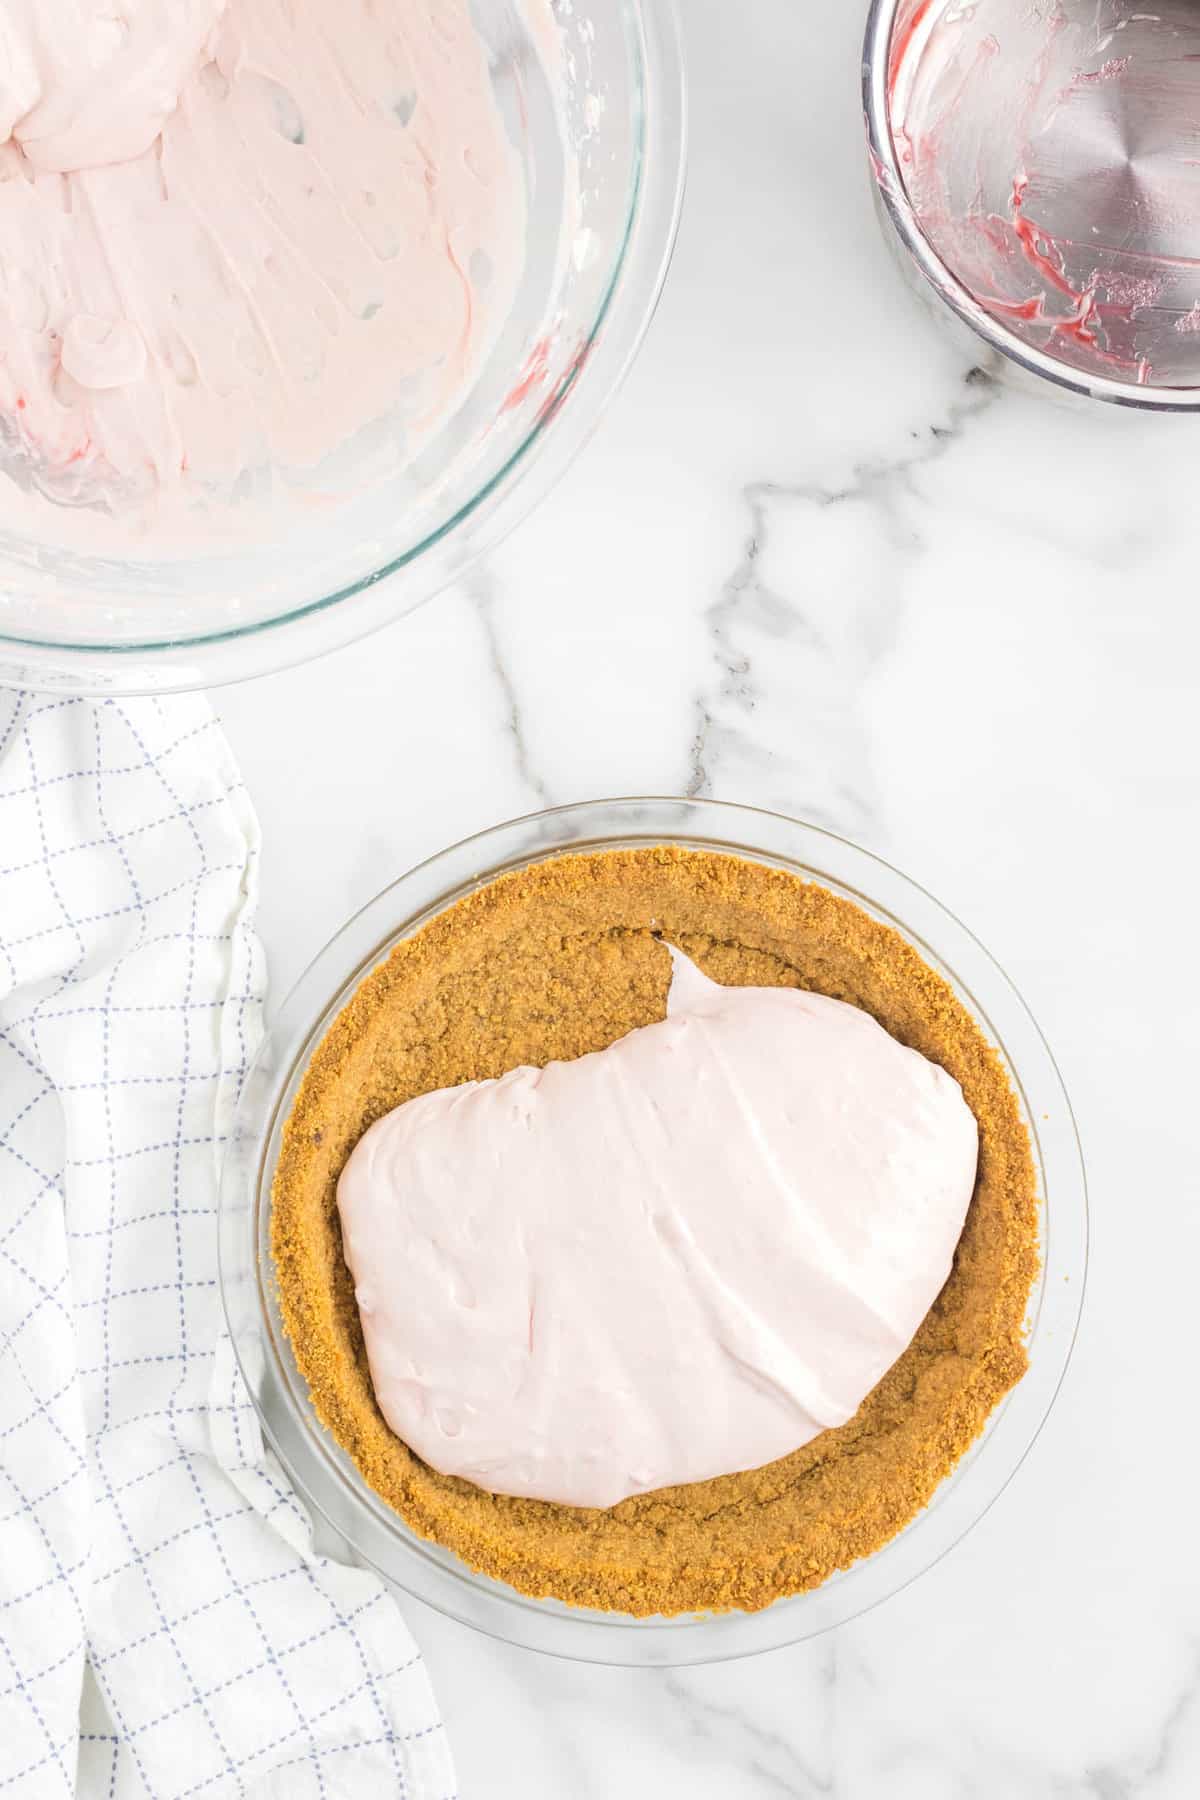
x,y
1039,166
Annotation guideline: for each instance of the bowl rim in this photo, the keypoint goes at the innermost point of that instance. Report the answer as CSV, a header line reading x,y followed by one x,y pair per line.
x,y
326,1476
597,370
890,187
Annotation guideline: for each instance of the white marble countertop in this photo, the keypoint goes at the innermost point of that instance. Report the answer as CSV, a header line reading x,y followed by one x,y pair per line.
x,y
814,560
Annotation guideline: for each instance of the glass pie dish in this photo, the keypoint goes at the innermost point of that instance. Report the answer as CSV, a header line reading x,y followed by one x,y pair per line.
x,y
366,536
329,1479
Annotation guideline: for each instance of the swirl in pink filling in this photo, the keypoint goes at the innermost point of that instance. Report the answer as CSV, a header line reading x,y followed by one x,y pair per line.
x,y
235,232
86,82
680,1257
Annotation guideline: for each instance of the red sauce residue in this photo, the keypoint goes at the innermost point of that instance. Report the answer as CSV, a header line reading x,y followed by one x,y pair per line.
x,y
1082,332
20,403
1031,238
1030,310
562,387
902,42
535,371
532,375
1037,246
1109,71
1079,326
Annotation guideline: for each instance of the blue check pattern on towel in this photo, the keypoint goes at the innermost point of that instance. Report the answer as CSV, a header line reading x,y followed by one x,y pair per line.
x,y
166,1628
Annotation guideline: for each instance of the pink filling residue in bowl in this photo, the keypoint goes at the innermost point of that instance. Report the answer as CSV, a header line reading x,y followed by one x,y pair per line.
x,y
1051,155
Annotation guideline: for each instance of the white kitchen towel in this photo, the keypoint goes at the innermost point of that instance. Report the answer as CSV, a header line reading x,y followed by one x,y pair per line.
x,y
166,1628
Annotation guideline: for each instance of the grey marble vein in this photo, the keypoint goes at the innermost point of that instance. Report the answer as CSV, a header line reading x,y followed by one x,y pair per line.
x,y
480,590
1157,1770
773,1760
828,782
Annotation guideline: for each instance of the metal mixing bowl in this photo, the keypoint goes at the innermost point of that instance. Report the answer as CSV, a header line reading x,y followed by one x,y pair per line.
x,y
1037,166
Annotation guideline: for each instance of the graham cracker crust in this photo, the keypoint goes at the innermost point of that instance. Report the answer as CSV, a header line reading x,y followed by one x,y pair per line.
x,y
562,958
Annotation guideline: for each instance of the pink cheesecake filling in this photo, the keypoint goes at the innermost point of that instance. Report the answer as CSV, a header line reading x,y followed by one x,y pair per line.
x,y
87,82
236,233
680,1257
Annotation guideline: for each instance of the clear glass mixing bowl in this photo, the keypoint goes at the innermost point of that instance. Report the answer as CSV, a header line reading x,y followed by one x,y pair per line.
x,y
329,1479
322,576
